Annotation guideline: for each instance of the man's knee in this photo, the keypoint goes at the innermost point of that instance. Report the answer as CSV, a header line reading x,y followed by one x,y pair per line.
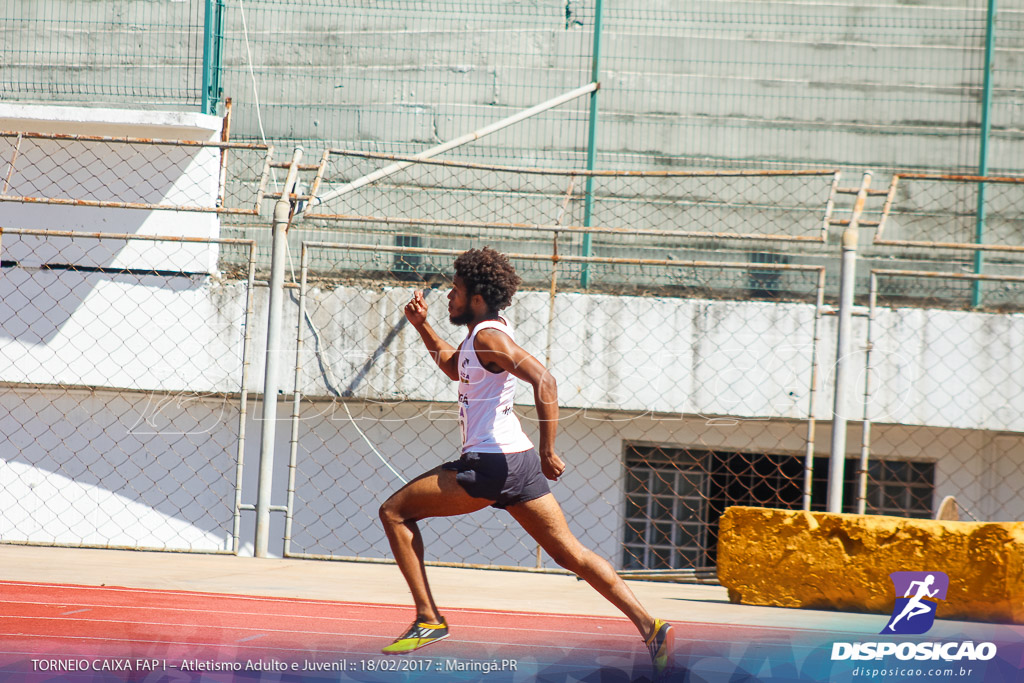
x,y
389,513
569,559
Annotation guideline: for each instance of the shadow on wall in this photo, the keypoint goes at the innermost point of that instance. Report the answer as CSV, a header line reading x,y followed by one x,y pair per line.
x,y
128,469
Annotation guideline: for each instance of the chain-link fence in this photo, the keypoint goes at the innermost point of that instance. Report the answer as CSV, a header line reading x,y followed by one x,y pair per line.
x,y
944,390
693,347
838,84
397,77
123,384
406,201
707,84
717,83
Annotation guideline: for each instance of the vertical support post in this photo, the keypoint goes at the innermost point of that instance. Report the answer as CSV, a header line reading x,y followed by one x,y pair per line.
x,y
986,129
813,393
293,441
10,168
243,398
865,437
588,199
275,306
212,43
837,458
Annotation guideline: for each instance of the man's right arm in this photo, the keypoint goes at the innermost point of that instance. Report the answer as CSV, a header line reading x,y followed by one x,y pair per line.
x,y
441,351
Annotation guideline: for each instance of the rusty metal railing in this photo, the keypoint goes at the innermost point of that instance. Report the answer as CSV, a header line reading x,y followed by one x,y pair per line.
x,y
124,173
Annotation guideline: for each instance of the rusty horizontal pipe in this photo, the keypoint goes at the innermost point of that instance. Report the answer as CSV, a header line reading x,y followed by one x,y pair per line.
x,y
301,167
1013,248
860,223
574,259
293,196
128,205
578,172
953,276
952,177
37,232
134,141
555,228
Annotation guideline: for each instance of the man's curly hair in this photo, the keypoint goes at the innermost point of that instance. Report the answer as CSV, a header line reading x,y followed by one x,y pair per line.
x,y
490,274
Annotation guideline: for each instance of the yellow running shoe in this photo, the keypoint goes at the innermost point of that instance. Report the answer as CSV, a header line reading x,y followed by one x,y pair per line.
x,y
419,635
659,644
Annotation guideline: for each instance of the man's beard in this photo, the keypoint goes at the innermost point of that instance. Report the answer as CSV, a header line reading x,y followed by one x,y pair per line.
x,y
465,318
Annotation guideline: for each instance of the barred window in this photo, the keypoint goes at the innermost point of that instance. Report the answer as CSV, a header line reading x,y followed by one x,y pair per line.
x,y
900,488
666,509
675,496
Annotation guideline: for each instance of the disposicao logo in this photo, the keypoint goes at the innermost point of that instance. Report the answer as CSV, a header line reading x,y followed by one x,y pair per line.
x,y
917,596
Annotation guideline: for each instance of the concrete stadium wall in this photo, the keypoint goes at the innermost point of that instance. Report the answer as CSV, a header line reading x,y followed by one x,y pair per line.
x,y
856,84
637,354
731,80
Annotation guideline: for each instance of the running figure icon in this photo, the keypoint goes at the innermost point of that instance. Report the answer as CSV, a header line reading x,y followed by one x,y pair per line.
x,y
915,606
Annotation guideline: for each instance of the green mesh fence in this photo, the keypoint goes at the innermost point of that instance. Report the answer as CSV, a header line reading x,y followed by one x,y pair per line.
x,y
861,85
706,84
400,76
713,83
102,52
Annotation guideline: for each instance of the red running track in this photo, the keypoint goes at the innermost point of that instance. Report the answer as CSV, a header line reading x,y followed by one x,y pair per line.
x,y
55,624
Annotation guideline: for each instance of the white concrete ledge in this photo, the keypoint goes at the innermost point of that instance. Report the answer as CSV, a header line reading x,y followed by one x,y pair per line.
x,y
67,120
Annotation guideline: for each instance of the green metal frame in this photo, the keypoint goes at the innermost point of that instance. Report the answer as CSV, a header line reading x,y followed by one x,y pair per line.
x,y
986,129
588,201
213,50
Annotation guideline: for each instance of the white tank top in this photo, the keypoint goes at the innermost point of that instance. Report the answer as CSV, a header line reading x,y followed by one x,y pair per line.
x,y
486,418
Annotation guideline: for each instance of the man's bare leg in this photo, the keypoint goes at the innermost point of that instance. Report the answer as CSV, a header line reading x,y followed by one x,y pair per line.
x,y
433,494
542,518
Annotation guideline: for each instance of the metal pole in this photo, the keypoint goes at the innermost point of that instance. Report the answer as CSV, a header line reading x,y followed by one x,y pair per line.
x,y
837,459
865,437
243,399
293,442
208,31
813,393
588,201
275,305
986,128
217,67
391,169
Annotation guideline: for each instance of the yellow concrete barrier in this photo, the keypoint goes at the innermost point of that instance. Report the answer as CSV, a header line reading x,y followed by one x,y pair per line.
x,y
788,558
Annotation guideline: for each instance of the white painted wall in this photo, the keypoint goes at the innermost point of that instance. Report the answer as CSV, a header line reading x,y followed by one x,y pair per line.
x,y
145,333
641,354
691,356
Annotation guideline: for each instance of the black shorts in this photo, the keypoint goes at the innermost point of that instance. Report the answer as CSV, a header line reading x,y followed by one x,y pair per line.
x,y
505,478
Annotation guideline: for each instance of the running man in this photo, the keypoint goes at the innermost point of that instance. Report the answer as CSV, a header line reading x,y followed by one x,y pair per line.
x,y
915,605
499,465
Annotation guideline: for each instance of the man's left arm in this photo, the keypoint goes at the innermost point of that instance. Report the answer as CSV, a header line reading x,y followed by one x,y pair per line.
x,y
495,348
